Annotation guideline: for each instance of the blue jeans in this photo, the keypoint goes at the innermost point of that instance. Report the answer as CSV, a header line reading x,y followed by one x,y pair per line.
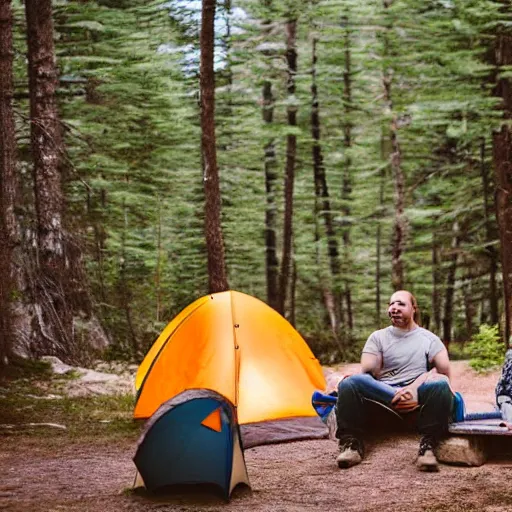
x,y
357,391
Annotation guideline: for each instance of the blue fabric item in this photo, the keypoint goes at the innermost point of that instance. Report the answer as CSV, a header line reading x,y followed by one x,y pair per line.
x,y
460,415
489,415
178,449
323,404
459,409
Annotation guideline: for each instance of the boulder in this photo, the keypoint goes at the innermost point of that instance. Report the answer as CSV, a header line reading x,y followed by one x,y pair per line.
x,y
86,381
463,450
57,365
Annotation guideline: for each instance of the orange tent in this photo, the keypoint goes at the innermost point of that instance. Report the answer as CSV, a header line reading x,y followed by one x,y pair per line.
x,y
238,346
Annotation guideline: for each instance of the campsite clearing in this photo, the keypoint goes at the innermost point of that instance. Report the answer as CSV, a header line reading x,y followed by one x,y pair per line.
x,y
72,470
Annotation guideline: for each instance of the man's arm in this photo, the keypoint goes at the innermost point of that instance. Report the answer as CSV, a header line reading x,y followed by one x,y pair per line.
x,y
441,362
371,363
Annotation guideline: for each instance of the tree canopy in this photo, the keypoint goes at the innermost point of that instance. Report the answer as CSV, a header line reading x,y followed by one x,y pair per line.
x,y
382,112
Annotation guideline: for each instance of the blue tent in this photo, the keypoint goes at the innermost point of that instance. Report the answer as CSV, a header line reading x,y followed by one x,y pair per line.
x,y
192,438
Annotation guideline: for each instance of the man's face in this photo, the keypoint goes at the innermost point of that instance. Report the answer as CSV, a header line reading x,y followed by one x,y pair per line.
x,y
401,310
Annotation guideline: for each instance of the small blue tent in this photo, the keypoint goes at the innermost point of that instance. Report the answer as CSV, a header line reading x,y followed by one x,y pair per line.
x,y
192,438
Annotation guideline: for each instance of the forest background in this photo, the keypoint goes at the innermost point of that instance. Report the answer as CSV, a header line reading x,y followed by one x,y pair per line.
x,y
361,147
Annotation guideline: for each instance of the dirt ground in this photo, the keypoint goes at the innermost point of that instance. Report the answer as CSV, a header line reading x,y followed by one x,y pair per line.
x,y
38,474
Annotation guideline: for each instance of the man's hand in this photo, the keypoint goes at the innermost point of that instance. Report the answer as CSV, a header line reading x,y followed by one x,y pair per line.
x,y
405,399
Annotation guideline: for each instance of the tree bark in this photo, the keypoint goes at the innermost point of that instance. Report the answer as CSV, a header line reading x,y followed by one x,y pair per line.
x,y
291,149
125,295
158,267
9,235
436,284
218,280
57,289
450,287
55,322
347,170
469,308
293,290
400,223
378,249
502,156
272,263
46,137
95,214
489,237
324,205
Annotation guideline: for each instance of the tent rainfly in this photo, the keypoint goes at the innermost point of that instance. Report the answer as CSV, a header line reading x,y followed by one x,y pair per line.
x,y
239,347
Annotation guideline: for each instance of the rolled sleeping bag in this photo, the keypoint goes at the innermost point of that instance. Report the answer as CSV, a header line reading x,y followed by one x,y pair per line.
x,y
459,413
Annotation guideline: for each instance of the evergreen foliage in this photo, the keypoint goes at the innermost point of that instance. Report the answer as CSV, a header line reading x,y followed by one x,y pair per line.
x,y
129,100
486,349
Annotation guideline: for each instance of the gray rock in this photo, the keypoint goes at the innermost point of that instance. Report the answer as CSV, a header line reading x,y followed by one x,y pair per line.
x,y
462,450
92,376
57,365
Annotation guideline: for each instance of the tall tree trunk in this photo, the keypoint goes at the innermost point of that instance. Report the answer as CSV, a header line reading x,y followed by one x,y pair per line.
x,y
469,307
324,205
450,287
272,263
400,224
46,137
218,280
291,149
489,238
125,295
59,285
502,154
378,249
100,237
436,284
293,290
502,157
9,238
158,268
347,168
55,321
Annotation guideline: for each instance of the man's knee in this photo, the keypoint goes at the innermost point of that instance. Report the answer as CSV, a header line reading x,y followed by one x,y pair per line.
x,y
354,381
441,385
437,390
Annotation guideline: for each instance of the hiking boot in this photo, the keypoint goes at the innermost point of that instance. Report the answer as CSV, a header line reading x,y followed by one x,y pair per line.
x,y
426,458
351,452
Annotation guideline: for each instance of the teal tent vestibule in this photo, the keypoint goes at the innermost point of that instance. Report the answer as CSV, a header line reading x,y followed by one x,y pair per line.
x,y
193,438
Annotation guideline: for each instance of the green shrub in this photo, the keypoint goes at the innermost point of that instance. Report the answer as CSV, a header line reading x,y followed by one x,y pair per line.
x,y
486,349
459,351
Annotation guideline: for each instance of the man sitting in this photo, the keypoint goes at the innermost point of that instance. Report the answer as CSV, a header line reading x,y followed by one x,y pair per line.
x,y
396,372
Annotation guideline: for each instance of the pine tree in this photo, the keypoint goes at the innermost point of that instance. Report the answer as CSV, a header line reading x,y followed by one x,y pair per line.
x,y
213,230
9,230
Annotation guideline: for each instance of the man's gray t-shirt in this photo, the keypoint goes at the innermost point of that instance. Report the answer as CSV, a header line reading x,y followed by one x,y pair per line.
x,y
405,354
